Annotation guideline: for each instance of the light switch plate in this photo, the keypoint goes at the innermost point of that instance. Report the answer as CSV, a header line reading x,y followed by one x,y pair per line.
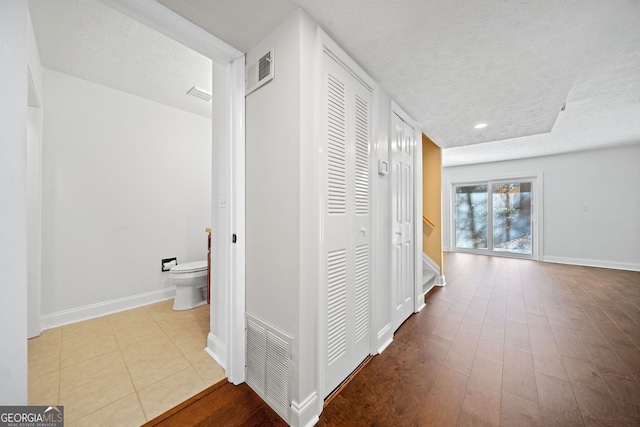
x,y
383,167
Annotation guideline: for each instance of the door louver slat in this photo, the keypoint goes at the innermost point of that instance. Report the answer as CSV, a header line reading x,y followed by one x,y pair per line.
x,y
336,147
362,293
362,156
336,305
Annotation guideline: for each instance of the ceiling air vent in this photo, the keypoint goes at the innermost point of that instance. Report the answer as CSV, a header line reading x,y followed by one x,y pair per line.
x,y
200,94
260,72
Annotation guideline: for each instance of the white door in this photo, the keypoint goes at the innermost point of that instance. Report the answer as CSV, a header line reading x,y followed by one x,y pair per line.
x,y
346,264
402,263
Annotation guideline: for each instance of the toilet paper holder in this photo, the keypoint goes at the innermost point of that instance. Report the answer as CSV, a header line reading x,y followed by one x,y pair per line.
x,y
167,263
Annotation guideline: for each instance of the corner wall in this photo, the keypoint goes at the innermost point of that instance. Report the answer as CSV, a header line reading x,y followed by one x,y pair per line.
x,y
590,204
13,209
126,182
279,194
34,186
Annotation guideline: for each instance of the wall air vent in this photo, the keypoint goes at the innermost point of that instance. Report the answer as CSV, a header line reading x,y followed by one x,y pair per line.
x,y
269,369
200,94
260,72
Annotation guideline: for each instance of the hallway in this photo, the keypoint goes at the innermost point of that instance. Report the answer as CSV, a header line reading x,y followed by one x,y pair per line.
x,y
506,342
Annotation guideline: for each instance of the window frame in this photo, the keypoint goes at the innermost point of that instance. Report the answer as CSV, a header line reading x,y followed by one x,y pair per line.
x,y
536,180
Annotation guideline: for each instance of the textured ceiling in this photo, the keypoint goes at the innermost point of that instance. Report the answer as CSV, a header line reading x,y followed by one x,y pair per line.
x,y
449,64
241,23
89,40
453,64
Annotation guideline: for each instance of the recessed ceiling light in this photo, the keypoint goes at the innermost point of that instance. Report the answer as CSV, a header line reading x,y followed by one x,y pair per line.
x,y
480,125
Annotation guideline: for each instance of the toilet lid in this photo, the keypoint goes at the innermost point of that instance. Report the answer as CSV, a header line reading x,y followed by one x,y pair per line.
x,y
189,267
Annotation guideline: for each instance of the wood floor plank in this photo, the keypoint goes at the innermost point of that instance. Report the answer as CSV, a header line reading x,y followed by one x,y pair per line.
x,y
507,342
558,405
444,402
518,411
518,375
484,391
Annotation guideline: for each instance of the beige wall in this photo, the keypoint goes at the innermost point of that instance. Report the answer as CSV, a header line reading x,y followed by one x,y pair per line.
x,y
432,200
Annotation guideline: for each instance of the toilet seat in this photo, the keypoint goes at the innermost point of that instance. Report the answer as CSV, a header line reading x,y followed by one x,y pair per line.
x,y
189,267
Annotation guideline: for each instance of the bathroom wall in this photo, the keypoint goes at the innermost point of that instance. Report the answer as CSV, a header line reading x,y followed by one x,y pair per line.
x,y
126,182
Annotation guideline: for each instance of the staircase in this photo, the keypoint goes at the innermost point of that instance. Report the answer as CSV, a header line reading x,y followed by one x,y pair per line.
x,y
430,274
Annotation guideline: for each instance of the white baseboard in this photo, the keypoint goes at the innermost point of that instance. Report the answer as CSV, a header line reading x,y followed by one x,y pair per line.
x,y
92,311
303,414
440,281
385,337
217,350
593,263
433,285
431,263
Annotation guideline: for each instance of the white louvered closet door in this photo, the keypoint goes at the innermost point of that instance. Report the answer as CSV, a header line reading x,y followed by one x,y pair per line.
x,y
347,135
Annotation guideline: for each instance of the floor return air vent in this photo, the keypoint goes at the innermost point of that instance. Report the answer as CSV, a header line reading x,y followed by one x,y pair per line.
x,y
269,367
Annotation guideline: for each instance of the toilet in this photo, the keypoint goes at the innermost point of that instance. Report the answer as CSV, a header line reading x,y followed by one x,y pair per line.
x,y
190,280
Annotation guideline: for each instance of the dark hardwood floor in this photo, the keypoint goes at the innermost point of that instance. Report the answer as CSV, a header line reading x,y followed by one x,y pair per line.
x,y
507,342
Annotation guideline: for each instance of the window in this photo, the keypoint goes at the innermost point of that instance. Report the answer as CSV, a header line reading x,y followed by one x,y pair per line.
x,y
494,217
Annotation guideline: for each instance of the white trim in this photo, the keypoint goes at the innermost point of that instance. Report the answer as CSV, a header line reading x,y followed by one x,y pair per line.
x,y
303,414
374,279
385,336
417,219
100,309
164,20
236,336
599,263
440,280
326,45
216,349
230,276
431,263
330,47
418,293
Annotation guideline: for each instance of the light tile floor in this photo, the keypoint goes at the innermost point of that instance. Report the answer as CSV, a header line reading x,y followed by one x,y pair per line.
x,y
123,369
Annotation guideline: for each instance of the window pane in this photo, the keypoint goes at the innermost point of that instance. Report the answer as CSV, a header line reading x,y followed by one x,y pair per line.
x,y
512,217
471,217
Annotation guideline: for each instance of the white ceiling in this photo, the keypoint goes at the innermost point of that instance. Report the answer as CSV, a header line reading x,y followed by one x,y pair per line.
x,y
89,40
449,64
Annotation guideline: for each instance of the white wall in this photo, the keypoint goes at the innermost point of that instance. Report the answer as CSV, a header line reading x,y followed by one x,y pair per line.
x,y
273,184
382,304
604,181
281,251
127,182
13,204
283,210
34,186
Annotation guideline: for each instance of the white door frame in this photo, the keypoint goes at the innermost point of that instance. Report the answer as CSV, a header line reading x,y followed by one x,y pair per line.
x,y
226,341
327,45
417,206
